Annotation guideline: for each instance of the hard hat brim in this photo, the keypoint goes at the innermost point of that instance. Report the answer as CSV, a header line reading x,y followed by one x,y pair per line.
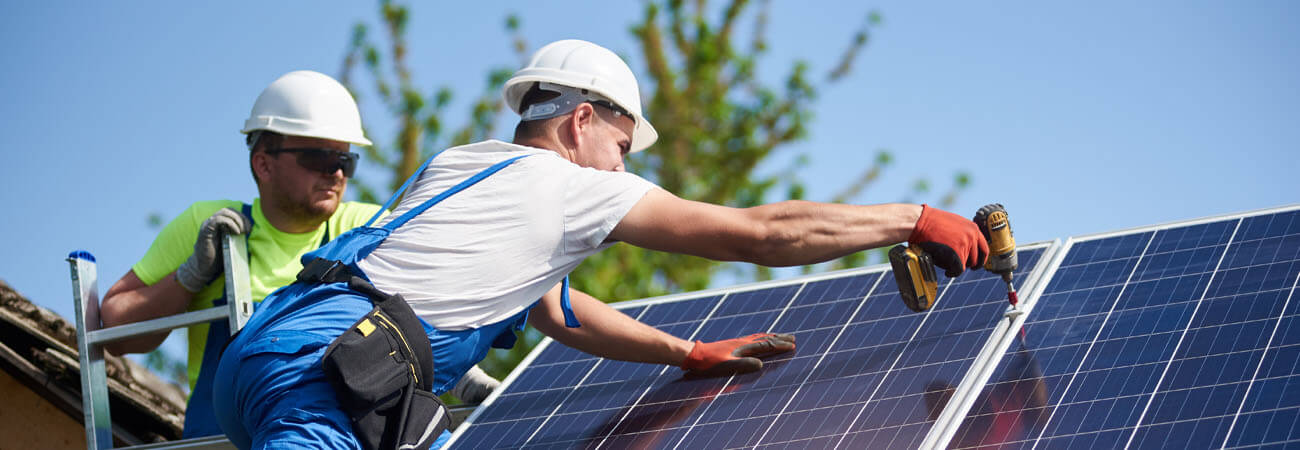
x,y
289,127
643,136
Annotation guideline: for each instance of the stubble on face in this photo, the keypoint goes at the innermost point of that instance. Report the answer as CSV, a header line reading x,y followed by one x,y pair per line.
x,y
308,197
314,200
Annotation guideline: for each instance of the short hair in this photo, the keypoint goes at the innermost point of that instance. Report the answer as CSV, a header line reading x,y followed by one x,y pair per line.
x,y
264,141
533,96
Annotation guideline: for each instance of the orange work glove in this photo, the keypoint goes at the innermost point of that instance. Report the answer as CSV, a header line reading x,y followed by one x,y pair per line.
x,y
954,242
735,356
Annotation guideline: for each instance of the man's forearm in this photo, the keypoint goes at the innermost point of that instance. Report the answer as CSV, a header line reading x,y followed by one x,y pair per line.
x,y
800,232
780,234
130,301
607,332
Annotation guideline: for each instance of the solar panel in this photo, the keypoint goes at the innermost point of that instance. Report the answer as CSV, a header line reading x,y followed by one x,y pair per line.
x,y
1175,336
862,375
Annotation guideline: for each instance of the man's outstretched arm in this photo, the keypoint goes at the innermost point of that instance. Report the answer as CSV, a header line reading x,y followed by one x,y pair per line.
x,y
608,333
793,232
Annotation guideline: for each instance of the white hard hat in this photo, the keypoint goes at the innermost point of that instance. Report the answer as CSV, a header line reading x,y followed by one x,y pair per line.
x,y
309,104
585,66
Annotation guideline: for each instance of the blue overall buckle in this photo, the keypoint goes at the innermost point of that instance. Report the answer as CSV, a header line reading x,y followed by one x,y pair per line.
x,y
321,270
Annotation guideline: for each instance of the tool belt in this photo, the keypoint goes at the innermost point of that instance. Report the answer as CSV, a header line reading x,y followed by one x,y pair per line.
x,y
382,368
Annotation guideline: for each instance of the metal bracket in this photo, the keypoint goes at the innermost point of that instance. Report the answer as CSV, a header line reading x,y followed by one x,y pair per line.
x,y
1013,312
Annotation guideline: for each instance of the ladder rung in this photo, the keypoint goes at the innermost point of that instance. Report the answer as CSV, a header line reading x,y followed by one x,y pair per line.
x,y
203,443
155,325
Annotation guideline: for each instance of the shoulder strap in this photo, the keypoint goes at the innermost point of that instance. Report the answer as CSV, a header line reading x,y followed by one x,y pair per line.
x,y
393,224
247,210
409,181
570,319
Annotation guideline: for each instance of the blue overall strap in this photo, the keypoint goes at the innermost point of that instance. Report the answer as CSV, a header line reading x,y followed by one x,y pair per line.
x,y
324,238
409,181
247,210
200,419
393,224
570,319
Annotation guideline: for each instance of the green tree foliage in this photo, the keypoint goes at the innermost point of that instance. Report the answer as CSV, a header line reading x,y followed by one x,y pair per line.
x,y
717,121
419,115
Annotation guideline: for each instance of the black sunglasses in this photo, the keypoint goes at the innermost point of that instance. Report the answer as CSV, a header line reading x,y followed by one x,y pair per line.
x,y
323,160
612,107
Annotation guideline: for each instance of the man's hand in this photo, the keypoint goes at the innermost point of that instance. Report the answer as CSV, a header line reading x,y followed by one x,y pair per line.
x,y
954,242
474,386
735,356
204,265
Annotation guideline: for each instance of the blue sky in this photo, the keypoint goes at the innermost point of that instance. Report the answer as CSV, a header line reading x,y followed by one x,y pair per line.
x,y
1079,117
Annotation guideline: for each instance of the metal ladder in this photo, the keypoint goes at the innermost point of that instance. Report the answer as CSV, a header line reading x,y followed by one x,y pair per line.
x,y
91,338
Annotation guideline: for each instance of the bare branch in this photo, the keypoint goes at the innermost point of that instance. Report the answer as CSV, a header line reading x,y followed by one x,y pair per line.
x,y
856,45
758,43
883,159
676,27
728,21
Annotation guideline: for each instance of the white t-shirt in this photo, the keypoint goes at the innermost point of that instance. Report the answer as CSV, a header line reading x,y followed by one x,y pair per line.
x,y
493,249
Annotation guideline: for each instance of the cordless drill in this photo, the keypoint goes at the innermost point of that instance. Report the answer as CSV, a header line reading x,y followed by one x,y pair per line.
x,y
992,220
914,269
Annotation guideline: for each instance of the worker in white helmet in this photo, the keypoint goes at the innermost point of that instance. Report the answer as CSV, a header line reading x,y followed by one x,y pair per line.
x,y
299,136
483,244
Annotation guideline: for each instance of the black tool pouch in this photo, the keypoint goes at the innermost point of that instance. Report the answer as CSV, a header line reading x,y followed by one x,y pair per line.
x,y
382,372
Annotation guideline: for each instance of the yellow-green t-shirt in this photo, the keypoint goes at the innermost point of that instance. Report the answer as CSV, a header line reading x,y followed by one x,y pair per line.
x,y
274,257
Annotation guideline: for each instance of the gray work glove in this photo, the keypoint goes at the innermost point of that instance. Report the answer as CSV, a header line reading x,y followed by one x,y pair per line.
x,y
206,263
475,386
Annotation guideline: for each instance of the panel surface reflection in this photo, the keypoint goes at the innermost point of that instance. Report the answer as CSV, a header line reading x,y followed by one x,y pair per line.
x,y
862,376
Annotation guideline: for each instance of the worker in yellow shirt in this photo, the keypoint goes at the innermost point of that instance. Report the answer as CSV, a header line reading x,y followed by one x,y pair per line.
x,y
299,137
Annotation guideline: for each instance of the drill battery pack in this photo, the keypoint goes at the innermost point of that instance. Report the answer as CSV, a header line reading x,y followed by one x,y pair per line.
x,y
914,272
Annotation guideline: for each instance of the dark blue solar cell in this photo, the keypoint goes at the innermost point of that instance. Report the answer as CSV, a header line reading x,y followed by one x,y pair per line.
x,y
560,355
762,300
1159,353
852,288
684,311
541,377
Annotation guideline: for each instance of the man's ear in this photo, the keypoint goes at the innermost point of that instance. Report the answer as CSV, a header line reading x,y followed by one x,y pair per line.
x,y
261,162
582,118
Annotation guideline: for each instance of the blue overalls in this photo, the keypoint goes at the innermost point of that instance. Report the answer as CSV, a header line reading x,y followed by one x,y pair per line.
x,y
270,390
199,419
